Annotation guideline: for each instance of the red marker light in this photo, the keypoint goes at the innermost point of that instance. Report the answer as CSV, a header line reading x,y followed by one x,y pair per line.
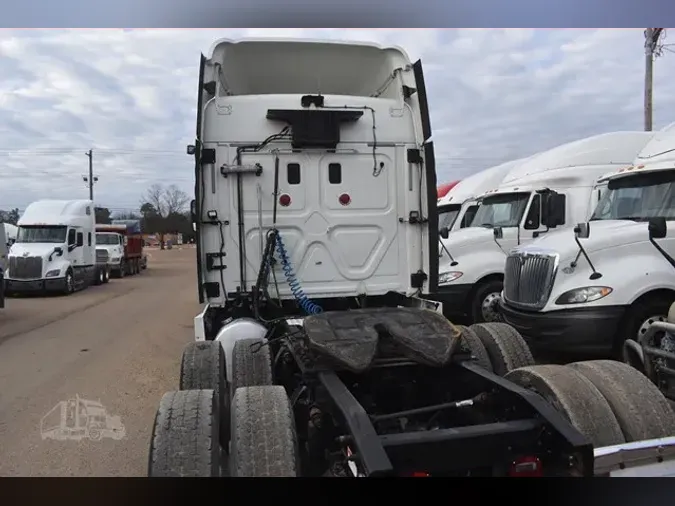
x,y
345,199
285,200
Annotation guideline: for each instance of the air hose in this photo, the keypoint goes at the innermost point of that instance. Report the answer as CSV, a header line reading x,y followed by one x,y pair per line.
x,y
303,301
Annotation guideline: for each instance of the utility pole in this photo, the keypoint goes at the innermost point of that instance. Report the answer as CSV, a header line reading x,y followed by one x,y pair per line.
x,y
651,40
91,179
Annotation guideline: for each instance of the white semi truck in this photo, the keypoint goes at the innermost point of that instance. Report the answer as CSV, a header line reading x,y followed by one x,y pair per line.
x,y
589,289
458,207
319,351
55,249
550,191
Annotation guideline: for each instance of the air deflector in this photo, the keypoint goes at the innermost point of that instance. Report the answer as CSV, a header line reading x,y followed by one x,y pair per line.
x,y
314,128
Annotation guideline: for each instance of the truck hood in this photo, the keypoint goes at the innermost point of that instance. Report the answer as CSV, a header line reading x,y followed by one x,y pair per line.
x,y
467,237
34,249
604,234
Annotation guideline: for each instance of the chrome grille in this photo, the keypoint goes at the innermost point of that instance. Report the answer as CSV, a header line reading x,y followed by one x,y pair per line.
x,y
101,256
528,278
25,267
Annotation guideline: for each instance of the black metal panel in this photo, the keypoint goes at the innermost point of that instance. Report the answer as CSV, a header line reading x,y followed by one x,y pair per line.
x,y
199,177
423,101
432,215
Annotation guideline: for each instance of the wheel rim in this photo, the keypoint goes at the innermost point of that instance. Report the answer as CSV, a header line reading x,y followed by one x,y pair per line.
x,y
69,282
642,330
489,307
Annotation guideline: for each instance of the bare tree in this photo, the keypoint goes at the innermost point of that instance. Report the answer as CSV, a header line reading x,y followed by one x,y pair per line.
x,y
165,204
167,200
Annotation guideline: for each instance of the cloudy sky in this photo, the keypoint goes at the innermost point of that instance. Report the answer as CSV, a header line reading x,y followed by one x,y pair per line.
x,y
495,95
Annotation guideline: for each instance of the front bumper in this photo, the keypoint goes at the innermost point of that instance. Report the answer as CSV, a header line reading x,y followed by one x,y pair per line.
x,y
455,298
585,330
35,285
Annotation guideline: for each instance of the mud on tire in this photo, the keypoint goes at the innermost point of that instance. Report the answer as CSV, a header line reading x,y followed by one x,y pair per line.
x,y
575,397
251,365
505,346
185,436
641,409
203,368
264,440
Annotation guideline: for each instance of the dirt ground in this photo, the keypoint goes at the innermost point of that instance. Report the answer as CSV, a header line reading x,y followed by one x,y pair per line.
x,y
119,344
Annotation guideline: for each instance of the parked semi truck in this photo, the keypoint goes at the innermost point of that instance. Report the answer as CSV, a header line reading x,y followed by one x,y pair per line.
x,y
548,192
316,255
55,249
124,242
589,289
458,207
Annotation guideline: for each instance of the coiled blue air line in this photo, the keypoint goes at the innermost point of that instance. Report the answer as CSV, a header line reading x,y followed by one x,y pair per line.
x,y
303,301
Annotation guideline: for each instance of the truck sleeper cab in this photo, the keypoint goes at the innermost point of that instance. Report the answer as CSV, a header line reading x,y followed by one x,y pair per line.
x,y
609,279
55,248
544,194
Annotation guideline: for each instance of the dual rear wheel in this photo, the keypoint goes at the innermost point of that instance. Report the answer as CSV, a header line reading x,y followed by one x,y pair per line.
x,y
212,427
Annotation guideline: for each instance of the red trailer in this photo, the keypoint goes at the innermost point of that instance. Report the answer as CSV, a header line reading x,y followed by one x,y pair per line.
x,y
124,242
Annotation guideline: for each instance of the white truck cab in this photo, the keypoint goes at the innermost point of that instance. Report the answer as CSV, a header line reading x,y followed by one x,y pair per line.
x,y
548,192
316,178
589,289
113,243
54,248
458,207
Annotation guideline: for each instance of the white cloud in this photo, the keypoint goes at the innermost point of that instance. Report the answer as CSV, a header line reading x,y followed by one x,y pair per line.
x,y
495,95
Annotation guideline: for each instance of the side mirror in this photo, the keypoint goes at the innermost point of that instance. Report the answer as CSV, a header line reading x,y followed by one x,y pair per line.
x,y
498,232
553,209
444,232
582,230
657,228
191,149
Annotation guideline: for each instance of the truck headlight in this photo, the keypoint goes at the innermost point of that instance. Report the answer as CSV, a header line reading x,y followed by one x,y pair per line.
x,y
115,259
585,294
448,277
53,273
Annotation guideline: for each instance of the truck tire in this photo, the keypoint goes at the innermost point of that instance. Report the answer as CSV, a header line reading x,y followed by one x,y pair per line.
x,y
575,397
475,346
250,367
106,275
98,276
123,269
264,440
484,305
638,317
642,411
69,283
184,441
203,368
505,346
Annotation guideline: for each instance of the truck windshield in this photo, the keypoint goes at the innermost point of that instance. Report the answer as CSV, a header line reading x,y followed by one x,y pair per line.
x,y
505,210
109,239
42,233
638,198
447,215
